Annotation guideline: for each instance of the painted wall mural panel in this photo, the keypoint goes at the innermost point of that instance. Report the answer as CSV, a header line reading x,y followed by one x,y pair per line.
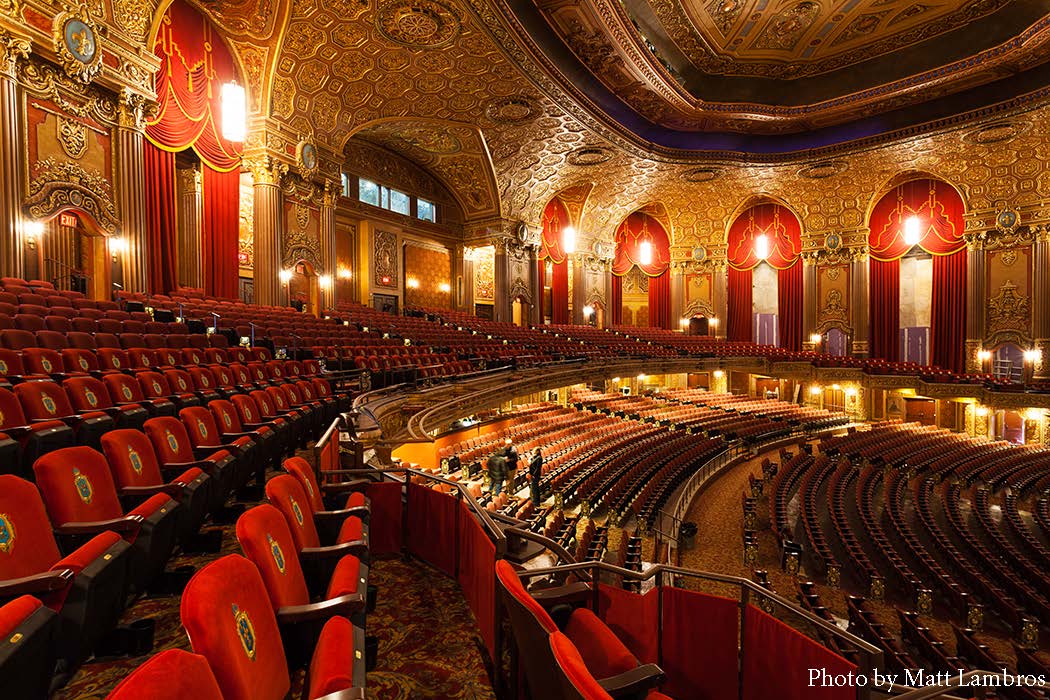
x,y
302,226
385,260
485,274
427,275
833,295
1008,287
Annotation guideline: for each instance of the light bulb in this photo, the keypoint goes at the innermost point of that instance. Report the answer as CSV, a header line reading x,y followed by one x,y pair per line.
x,y
285,276
912,230
234,113
588,311
568,240
325,281
762,247
815,390
645,253
815,338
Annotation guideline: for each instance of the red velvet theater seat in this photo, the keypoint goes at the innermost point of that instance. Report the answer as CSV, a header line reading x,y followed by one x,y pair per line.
x,y
252,418
83,361
170,675
81,498
331,504
205,435
229,619
46,401
228,421
276,406
156,386
88,394
174,450
31,439
321,557
266,540
139,475
28,634
603,654
87,588
125,390
575,678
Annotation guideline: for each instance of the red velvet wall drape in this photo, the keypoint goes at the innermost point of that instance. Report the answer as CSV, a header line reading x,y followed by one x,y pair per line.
x,y
738,325
948,312
789,306
783,234
560,293
555,220
939,210
161,225
617,301
885,309
660,301
221,220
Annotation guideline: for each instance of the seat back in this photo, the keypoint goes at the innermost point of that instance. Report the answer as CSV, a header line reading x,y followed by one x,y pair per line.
x,y
11,413
27,545
170,440
42,360
225,414
112,358
131,458
267,541
285,493
77,360
179,381
301,470
43,400
87,393
53,340
532,627
17,339
278,397
173,674
123,388
229,619
154,385
77,486
570,672
11,363
202,378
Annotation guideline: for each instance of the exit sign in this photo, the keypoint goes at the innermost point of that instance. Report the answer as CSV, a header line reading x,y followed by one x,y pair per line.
x,y
67,220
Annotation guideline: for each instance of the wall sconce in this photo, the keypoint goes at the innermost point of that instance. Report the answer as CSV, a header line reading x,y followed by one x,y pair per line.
x,y
719,374
234,113
444,288
118,245
981,411
645,253
683,322
285,276
815,338
762,246
568,240
815,390
984,355
412,283
712,322
345,274
1032,356
588,311
1033,414
912,230
851,392
641,377
33,231
325,282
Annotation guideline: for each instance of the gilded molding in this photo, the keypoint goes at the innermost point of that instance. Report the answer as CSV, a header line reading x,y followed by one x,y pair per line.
x,y
64,185
16,51
266,170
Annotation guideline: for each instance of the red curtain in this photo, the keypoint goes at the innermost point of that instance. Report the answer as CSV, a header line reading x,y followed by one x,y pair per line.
x,y
635,229
738,325
660,301
477,574
778,224
221,221
431,522
385,518
936,205
634,618
778,661
699,626
560,293
885,309
789,306
948,312
617,301
161,226
555,220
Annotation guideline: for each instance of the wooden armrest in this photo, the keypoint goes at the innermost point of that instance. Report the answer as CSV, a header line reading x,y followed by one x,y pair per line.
x,y
354,693
37,583
634,682
345,486
17,432
343,605
128,523
326,516
332,551
173,490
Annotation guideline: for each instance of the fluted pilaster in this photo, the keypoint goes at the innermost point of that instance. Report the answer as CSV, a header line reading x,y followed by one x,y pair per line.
x,y
132,168
859,306
1040,304
327,233
501,282
13,50
677,272
809,301
190,221
719,284
266,229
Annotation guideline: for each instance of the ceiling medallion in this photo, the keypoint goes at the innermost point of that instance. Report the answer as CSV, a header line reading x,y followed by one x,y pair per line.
x,y
994,133
421,23
827,168
77,44
511,110
702,175
589,156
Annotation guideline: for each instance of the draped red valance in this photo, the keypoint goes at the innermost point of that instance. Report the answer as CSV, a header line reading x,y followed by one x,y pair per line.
x,y
555,220
936,205
781,228
195,63
635,229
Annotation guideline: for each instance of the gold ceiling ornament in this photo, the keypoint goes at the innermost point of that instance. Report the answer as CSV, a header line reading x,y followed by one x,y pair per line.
x,y
514,109
823,169
702,175
997,132
589,156
77,43
418,23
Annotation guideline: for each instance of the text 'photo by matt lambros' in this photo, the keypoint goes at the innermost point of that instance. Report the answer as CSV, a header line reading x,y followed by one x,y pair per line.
x,y
822,678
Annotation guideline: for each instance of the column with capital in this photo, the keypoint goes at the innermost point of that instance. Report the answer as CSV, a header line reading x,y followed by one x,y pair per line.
x,y
677,272
859,302
13,50
809,301
328,254
266,229
536,308
1040,303
190,225
975,301
719,297
131,128
501,282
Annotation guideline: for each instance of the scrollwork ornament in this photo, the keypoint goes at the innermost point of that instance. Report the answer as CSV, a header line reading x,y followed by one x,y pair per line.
x,y
15,50
77,43
266,171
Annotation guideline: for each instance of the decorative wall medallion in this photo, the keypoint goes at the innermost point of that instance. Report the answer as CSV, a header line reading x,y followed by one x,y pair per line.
x,y
598,249
511,110
306,157
699,253
702,175
76,43
589,156
72,135
422,23
833,241
1008,311
997,132
385,259
818,171
522,233
1006,221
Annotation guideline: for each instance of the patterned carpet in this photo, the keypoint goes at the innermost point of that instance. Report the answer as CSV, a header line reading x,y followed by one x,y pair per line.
x,y
429,645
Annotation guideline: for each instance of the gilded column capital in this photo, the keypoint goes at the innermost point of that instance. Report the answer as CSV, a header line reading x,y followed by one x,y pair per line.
x,y
331,193
133,110
13,51
190,179
266,170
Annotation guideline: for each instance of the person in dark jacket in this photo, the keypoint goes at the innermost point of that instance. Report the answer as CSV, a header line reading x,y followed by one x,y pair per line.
x,y
497,466
535,472
510,453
